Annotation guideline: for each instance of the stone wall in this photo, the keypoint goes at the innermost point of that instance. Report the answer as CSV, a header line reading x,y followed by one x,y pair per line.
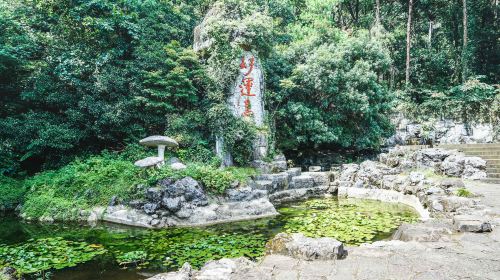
x,y
445,131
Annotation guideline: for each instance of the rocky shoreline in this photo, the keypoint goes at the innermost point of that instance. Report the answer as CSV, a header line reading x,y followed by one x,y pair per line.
x,y
400,176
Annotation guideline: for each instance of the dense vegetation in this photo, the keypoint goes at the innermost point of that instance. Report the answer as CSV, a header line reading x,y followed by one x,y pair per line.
x,y
81,76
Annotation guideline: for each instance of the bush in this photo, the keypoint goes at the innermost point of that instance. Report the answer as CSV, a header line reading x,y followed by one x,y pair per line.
x,y
11,192
80,185
215,180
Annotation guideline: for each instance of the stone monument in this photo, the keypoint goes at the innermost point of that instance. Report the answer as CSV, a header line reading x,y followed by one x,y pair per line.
x,y
246,100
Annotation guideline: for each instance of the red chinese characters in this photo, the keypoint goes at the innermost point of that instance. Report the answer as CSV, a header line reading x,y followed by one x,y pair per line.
x,y
246,86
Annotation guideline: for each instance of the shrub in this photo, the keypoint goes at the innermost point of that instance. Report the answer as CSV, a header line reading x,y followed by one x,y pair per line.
x,y
11,192
80,185
215,180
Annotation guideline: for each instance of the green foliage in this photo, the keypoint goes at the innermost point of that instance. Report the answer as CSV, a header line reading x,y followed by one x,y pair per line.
x,y
198,247
352,222
132,258
11,192
463,192
46,254
90,75
61,194
214,179
335,97
83,184
473,102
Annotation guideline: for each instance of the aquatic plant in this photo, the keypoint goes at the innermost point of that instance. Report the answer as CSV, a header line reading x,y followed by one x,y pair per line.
x,y
48,253
350,221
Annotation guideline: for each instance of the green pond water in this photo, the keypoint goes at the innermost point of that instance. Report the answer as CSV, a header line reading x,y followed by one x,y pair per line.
x,y
108,251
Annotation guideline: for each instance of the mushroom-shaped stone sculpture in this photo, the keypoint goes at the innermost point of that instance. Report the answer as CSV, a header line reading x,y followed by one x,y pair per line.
x,y
156,141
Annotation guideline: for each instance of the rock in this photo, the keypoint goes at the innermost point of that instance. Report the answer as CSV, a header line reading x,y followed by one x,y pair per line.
x,y
294,171
475,162
314,168
165,183
290,195
178,166
279,180
416,177
173,204
151,208
429,157
172,160
262,166
300,247
302,181
122,215
8,273
348,172
244,194
472,173
114,201
183,274
184,213
278,166
471,223
437,206
148,162
431,230
155,222
279,157
225,269
453,165
262,185
136,204
319,178
185,186
154,194
451,183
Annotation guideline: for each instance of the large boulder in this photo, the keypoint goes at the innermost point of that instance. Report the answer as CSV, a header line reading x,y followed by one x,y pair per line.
x,y
471,223
431,156
431,230
300,247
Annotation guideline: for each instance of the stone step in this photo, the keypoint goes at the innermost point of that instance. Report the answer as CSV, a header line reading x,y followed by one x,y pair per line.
x,y
495,181
492,170
488,157
480,146
484,153
493,161
493,175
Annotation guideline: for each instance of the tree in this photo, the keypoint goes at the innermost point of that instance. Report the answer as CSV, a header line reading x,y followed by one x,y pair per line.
x,y
465,50
408,42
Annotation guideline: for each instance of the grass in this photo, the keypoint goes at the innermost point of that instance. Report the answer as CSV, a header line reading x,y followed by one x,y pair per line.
x,y
463,192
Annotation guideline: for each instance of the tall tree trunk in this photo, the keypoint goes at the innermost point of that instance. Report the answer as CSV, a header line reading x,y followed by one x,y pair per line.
x,y
431,28
465,54
377,12
408,41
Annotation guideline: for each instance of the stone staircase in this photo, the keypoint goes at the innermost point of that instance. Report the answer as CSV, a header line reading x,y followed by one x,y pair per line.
x,y
488,152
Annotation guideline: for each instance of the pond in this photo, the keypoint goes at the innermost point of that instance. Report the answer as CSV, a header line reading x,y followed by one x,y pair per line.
x,y
109,251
